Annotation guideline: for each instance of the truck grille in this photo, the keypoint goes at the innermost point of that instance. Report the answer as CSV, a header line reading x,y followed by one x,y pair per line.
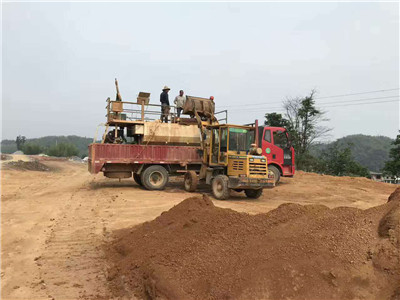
x,y
238,165
257,168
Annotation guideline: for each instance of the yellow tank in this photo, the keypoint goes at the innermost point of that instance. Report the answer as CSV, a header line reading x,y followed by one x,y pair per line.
x,y
168,133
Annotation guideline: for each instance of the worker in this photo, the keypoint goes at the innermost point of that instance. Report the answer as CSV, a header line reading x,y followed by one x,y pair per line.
x,y
179,103
164,104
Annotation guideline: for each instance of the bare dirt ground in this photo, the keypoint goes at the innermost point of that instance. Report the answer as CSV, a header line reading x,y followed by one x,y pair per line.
x,y
54,223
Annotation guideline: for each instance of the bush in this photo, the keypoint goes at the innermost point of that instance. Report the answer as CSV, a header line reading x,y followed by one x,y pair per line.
x,y
63,150
309,163
32,149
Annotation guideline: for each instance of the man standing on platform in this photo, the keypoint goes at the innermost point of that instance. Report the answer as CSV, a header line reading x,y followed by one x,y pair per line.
x,y
164,104
179,102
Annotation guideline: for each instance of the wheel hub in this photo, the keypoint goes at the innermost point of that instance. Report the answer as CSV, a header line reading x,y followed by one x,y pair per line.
x,y
219,187
156,178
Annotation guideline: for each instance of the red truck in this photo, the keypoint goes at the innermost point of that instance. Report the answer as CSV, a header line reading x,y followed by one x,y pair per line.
x,y
151,165
276,146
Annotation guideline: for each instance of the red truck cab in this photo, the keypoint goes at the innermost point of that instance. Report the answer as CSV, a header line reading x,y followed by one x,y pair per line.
x,y
276,146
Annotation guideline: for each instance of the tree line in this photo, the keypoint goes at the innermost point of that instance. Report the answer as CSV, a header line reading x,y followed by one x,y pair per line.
x,y
50,146
305,125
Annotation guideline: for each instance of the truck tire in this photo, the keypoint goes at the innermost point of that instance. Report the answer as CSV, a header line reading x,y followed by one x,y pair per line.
x,y
191,180
276,172
137,179
220,187
253,193
154,177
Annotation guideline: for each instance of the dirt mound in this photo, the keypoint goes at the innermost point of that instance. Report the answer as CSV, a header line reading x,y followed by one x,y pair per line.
x,y
27,166
199,251
6,157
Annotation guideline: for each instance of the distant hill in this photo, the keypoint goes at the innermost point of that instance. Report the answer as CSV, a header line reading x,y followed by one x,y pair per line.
x,y
369,151
82,143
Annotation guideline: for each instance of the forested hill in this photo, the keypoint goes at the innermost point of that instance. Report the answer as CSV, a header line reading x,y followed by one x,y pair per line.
x,y
82,143
369,151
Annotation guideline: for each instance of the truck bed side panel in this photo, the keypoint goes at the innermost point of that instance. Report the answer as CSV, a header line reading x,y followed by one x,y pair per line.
x,y
100,154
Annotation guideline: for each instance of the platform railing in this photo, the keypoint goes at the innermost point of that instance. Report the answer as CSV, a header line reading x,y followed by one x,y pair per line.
x,y
141,112
135,111
224,114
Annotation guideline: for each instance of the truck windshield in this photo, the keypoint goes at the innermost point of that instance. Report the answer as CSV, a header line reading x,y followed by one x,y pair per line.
x,y
240,139
281,140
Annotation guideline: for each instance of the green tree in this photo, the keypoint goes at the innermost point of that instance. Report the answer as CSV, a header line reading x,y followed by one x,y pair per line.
x,y
275,120
304,125
63,150
20,141
392,167
337,160
32,149
311,163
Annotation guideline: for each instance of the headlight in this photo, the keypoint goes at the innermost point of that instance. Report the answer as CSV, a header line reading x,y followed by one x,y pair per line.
x,y
251,159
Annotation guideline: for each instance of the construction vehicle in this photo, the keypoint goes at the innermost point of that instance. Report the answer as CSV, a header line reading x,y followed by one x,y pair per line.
x,y
277,147
151,151
135,143
231,160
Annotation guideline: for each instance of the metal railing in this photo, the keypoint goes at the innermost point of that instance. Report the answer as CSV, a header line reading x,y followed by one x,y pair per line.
x,y
225,111
133,111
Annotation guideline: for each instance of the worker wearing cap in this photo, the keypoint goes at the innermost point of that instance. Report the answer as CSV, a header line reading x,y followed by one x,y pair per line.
x,y
179,102
164,104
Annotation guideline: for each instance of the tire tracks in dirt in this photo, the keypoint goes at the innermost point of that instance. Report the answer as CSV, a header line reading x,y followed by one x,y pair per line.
x,y
72,264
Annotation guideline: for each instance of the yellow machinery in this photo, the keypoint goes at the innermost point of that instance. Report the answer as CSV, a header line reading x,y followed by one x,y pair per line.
x,y
231,160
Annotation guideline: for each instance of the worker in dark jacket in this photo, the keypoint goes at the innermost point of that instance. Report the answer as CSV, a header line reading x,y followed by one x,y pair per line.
x,y
164,104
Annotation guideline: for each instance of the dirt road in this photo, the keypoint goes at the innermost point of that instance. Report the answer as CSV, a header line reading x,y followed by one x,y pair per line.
x,y
53,223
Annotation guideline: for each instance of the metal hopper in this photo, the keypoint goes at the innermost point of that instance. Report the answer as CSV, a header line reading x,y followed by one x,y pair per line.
x,y
203,106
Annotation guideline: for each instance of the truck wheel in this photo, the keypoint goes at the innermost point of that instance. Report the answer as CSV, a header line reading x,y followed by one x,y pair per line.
x,y
154,177
253,193
190,181
220,187
277,174
137,179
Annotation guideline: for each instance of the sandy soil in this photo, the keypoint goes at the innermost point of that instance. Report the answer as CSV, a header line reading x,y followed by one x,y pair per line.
x,y
54,223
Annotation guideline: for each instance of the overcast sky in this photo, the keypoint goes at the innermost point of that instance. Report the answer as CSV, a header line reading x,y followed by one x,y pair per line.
x,y
60,61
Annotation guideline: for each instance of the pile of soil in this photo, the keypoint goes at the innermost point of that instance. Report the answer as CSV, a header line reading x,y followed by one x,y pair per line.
x,y
199,251
27,166
6,157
